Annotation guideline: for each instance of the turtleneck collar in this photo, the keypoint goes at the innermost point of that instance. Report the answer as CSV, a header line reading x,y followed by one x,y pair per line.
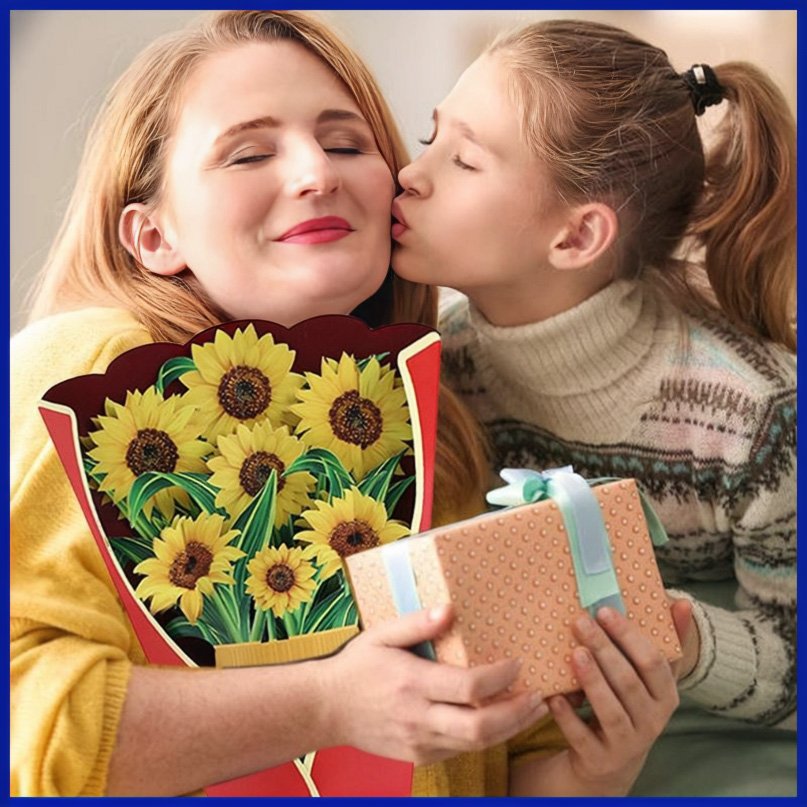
x,y
586,349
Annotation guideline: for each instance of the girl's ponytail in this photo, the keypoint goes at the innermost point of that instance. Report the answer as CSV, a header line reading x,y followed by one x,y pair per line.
x,y
746,220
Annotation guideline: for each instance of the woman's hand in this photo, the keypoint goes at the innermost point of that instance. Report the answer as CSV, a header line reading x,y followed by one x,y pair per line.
x,y
382,698
632,691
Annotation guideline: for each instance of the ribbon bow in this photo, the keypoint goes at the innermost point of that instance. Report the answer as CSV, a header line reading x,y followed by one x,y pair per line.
x,y
525,486
589,542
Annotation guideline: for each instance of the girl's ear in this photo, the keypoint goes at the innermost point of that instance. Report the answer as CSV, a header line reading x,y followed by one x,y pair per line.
x,y
588,232
145,240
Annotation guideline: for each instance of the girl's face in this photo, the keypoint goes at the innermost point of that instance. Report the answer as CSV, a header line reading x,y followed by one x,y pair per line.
x,y
276,196
476,213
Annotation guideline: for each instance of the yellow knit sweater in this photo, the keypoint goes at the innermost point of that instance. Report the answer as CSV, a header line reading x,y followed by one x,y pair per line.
x,y
72,646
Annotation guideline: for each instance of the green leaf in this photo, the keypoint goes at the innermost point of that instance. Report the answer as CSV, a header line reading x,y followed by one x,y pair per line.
x,y
321,462
133,548
376,483
150,483
395,492
179,627
172,370
321,614
256,525
362,363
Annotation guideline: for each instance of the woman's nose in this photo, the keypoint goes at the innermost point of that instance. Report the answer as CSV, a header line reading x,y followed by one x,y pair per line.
x,y
311,171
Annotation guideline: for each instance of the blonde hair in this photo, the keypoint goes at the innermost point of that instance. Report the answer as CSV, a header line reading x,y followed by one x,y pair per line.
x,y
124,162
613,121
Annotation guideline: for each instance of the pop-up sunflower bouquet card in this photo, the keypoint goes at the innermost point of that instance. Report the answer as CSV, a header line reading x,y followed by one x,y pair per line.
x,y
226,480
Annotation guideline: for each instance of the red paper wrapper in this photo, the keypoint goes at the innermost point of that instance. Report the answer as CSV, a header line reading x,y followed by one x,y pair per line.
x,y
69,409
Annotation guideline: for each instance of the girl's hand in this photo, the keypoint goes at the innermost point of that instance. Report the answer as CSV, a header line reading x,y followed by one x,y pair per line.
x,y
688,636
632,692
382,698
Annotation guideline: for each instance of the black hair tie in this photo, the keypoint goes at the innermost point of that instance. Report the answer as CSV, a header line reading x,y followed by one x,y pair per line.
x,y
704,88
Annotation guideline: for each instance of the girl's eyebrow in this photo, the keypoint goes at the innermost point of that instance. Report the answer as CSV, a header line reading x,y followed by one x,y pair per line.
x,y
464,129
268,122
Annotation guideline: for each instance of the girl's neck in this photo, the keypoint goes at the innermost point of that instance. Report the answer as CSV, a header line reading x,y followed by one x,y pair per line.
x,y
547,293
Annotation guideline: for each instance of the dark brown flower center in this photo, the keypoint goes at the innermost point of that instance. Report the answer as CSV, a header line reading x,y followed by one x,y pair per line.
x,y
280,577
355,419
190,565
350,537
151,450
244,392
256,469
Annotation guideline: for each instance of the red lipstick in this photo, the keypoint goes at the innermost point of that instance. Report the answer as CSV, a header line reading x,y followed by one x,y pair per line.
x,y
317,231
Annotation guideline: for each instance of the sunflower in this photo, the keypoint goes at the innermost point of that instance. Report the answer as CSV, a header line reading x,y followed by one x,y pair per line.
x,y
359,415
146,433
348,525
245,462
241,379
282,578
191,555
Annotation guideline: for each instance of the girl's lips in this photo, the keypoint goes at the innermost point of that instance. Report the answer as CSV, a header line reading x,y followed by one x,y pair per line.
x,y
398,229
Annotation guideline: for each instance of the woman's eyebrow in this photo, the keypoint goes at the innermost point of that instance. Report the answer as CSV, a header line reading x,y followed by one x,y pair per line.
x,y
265,122
268,122
330,115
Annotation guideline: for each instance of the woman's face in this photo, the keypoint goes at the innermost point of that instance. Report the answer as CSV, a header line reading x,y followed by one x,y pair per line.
x,y
276,196
475,214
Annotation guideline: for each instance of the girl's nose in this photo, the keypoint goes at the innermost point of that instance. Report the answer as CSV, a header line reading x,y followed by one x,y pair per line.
x,y
311,171
412,178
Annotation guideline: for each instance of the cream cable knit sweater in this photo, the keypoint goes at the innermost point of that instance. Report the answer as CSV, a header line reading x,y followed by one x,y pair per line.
x,y
704,417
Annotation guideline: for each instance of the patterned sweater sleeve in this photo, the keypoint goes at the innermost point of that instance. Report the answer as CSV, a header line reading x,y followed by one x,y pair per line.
x,y
72,647
747,666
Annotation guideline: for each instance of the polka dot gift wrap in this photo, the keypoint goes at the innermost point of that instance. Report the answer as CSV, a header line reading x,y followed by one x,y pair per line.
x,y
510,578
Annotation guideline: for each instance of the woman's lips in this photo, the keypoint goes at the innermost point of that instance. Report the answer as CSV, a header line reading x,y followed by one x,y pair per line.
x,y
317,231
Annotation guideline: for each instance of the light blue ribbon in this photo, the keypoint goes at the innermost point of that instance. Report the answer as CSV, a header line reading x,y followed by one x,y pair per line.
x,y
589,542
403,587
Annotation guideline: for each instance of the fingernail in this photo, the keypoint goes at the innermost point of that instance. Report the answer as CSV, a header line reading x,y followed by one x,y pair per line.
x,y
606,614
437,613
581,656
536,699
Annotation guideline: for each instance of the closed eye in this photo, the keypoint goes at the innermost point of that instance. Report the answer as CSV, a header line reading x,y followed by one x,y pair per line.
x,y
250,158
460,164
344,150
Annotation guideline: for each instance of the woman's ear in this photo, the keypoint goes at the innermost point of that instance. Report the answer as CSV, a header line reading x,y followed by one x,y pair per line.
x,y
587,233
145,240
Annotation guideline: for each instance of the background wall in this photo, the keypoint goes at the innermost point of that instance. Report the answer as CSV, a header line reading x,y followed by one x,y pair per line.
x,y
62,63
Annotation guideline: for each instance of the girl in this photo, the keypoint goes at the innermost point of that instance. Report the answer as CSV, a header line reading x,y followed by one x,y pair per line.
x,y
214,146
631,308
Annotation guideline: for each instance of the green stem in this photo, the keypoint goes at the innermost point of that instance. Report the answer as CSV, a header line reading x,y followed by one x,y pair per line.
x,y
258,625
233,629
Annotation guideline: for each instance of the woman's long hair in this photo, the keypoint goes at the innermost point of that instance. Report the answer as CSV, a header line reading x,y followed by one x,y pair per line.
x,y
124,162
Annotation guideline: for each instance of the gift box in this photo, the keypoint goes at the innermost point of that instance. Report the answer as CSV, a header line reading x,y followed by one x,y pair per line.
x,y
243,457
517,580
